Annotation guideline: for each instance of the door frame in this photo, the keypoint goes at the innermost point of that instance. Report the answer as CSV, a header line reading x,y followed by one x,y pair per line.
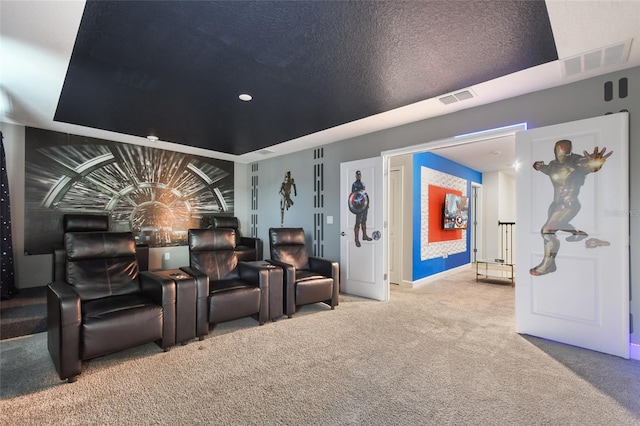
x,y
477,249
399,238
425,147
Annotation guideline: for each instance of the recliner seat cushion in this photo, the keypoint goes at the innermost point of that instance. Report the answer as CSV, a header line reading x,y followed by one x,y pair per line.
x,y
232,299
119,322
313,290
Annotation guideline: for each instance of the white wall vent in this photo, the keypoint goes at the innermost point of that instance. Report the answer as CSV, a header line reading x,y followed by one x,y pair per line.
x,y
452,98
614,54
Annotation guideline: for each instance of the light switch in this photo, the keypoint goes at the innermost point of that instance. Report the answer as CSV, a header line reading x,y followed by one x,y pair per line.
x,y
329,220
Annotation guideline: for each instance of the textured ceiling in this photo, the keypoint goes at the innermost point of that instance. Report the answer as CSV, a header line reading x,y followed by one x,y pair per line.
x,y
175,69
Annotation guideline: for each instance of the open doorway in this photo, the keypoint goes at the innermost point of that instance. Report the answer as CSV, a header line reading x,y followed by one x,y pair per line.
x,y
490,152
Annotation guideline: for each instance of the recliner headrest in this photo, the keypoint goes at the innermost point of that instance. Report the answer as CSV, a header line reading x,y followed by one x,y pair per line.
x,y
212,239
286,236
85,222
92,245
225,222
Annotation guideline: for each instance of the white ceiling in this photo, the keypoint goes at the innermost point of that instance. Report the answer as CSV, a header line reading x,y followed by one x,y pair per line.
x,y
37,37
487,155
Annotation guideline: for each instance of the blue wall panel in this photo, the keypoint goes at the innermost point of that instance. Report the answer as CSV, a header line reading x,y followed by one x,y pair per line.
x,y
422,269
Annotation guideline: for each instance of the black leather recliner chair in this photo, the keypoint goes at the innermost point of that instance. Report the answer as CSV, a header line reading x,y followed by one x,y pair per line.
x,y
105,304
247,248
90,223
307,279
227,289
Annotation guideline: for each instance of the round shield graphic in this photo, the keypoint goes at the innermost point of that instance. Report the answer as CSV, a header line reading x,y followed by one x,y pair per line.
x,y
358,201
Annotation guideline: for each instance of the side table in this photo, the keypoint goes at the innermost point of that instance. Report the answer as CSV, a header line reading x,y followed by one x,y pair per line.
x,y
276,300
186,296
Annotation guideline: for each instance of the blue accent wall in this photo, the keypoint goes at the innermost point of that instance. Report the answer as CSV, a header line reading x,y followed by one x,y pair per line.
x,y
422,269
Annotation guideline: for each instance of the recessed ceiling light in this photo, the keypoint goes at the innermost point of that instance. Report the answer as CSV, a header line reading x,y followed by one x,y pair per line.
x,y
245,97
152,138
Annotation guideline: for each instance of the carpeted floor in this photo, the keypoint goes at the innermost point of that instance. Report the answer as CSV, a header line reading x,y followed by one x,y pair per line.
x,y
443,354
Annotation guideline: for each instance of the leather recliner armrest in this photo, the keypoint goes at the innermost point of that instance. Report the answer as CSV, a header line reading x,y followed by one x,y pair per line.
x,y
322,266
327,268
289,278
162,291
202,301
63,329
259,276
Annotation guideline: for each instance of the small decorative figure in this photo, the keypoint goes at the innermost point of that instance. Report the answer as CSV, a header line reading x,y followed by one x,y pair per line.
x,y
567,173
285,194
359,205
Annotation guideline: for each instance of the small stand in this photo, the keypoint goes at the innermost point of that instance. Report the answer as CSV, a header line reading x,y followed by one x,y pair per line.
x,y
504,267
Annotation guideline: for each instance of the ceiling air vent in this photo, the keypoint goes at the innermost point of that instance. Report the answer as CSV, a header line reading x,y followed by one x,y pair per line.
x,y
452,98
611,55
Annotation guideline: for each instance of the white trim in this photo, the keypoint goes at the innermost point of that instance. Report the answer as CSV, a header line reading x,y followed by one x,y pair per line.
x,y
436,277
457,140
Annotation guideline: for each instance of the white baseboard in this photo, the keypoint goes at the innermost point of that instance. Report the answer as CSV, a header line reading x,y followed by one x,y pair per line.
x,y
439,275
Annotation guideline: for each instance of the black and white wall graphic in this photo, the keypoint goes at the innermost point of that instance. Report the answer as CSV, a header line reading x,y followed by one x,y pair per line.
x,y
156,194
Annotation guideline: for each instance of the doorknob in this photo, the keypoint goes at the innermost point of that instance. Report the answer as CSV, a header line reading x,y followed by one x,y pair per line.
x,y
342,233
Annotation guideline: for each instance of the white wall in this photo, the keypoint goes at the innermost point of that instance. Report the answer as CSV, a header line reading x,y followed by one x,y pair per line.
x,y
498,205
490,215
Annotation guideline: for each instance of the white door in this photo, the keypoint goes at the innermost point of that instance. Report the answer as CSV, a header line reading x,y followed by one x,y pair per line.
x,y
572,262
396,203
361,248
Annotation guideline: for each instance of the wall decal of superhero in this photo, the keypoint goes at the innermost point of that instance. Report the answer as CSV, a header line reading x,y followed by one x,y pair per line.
x,y
359,205
567,173
285,194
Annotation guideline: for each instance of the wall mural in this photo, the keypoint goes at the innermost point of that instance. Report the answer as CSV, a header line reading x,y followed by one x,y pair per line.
x,y
156,194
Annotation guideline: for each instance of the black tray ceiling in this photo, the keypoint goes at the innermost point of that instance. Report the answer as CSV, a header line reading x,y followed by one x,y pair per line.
x,y
174,69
